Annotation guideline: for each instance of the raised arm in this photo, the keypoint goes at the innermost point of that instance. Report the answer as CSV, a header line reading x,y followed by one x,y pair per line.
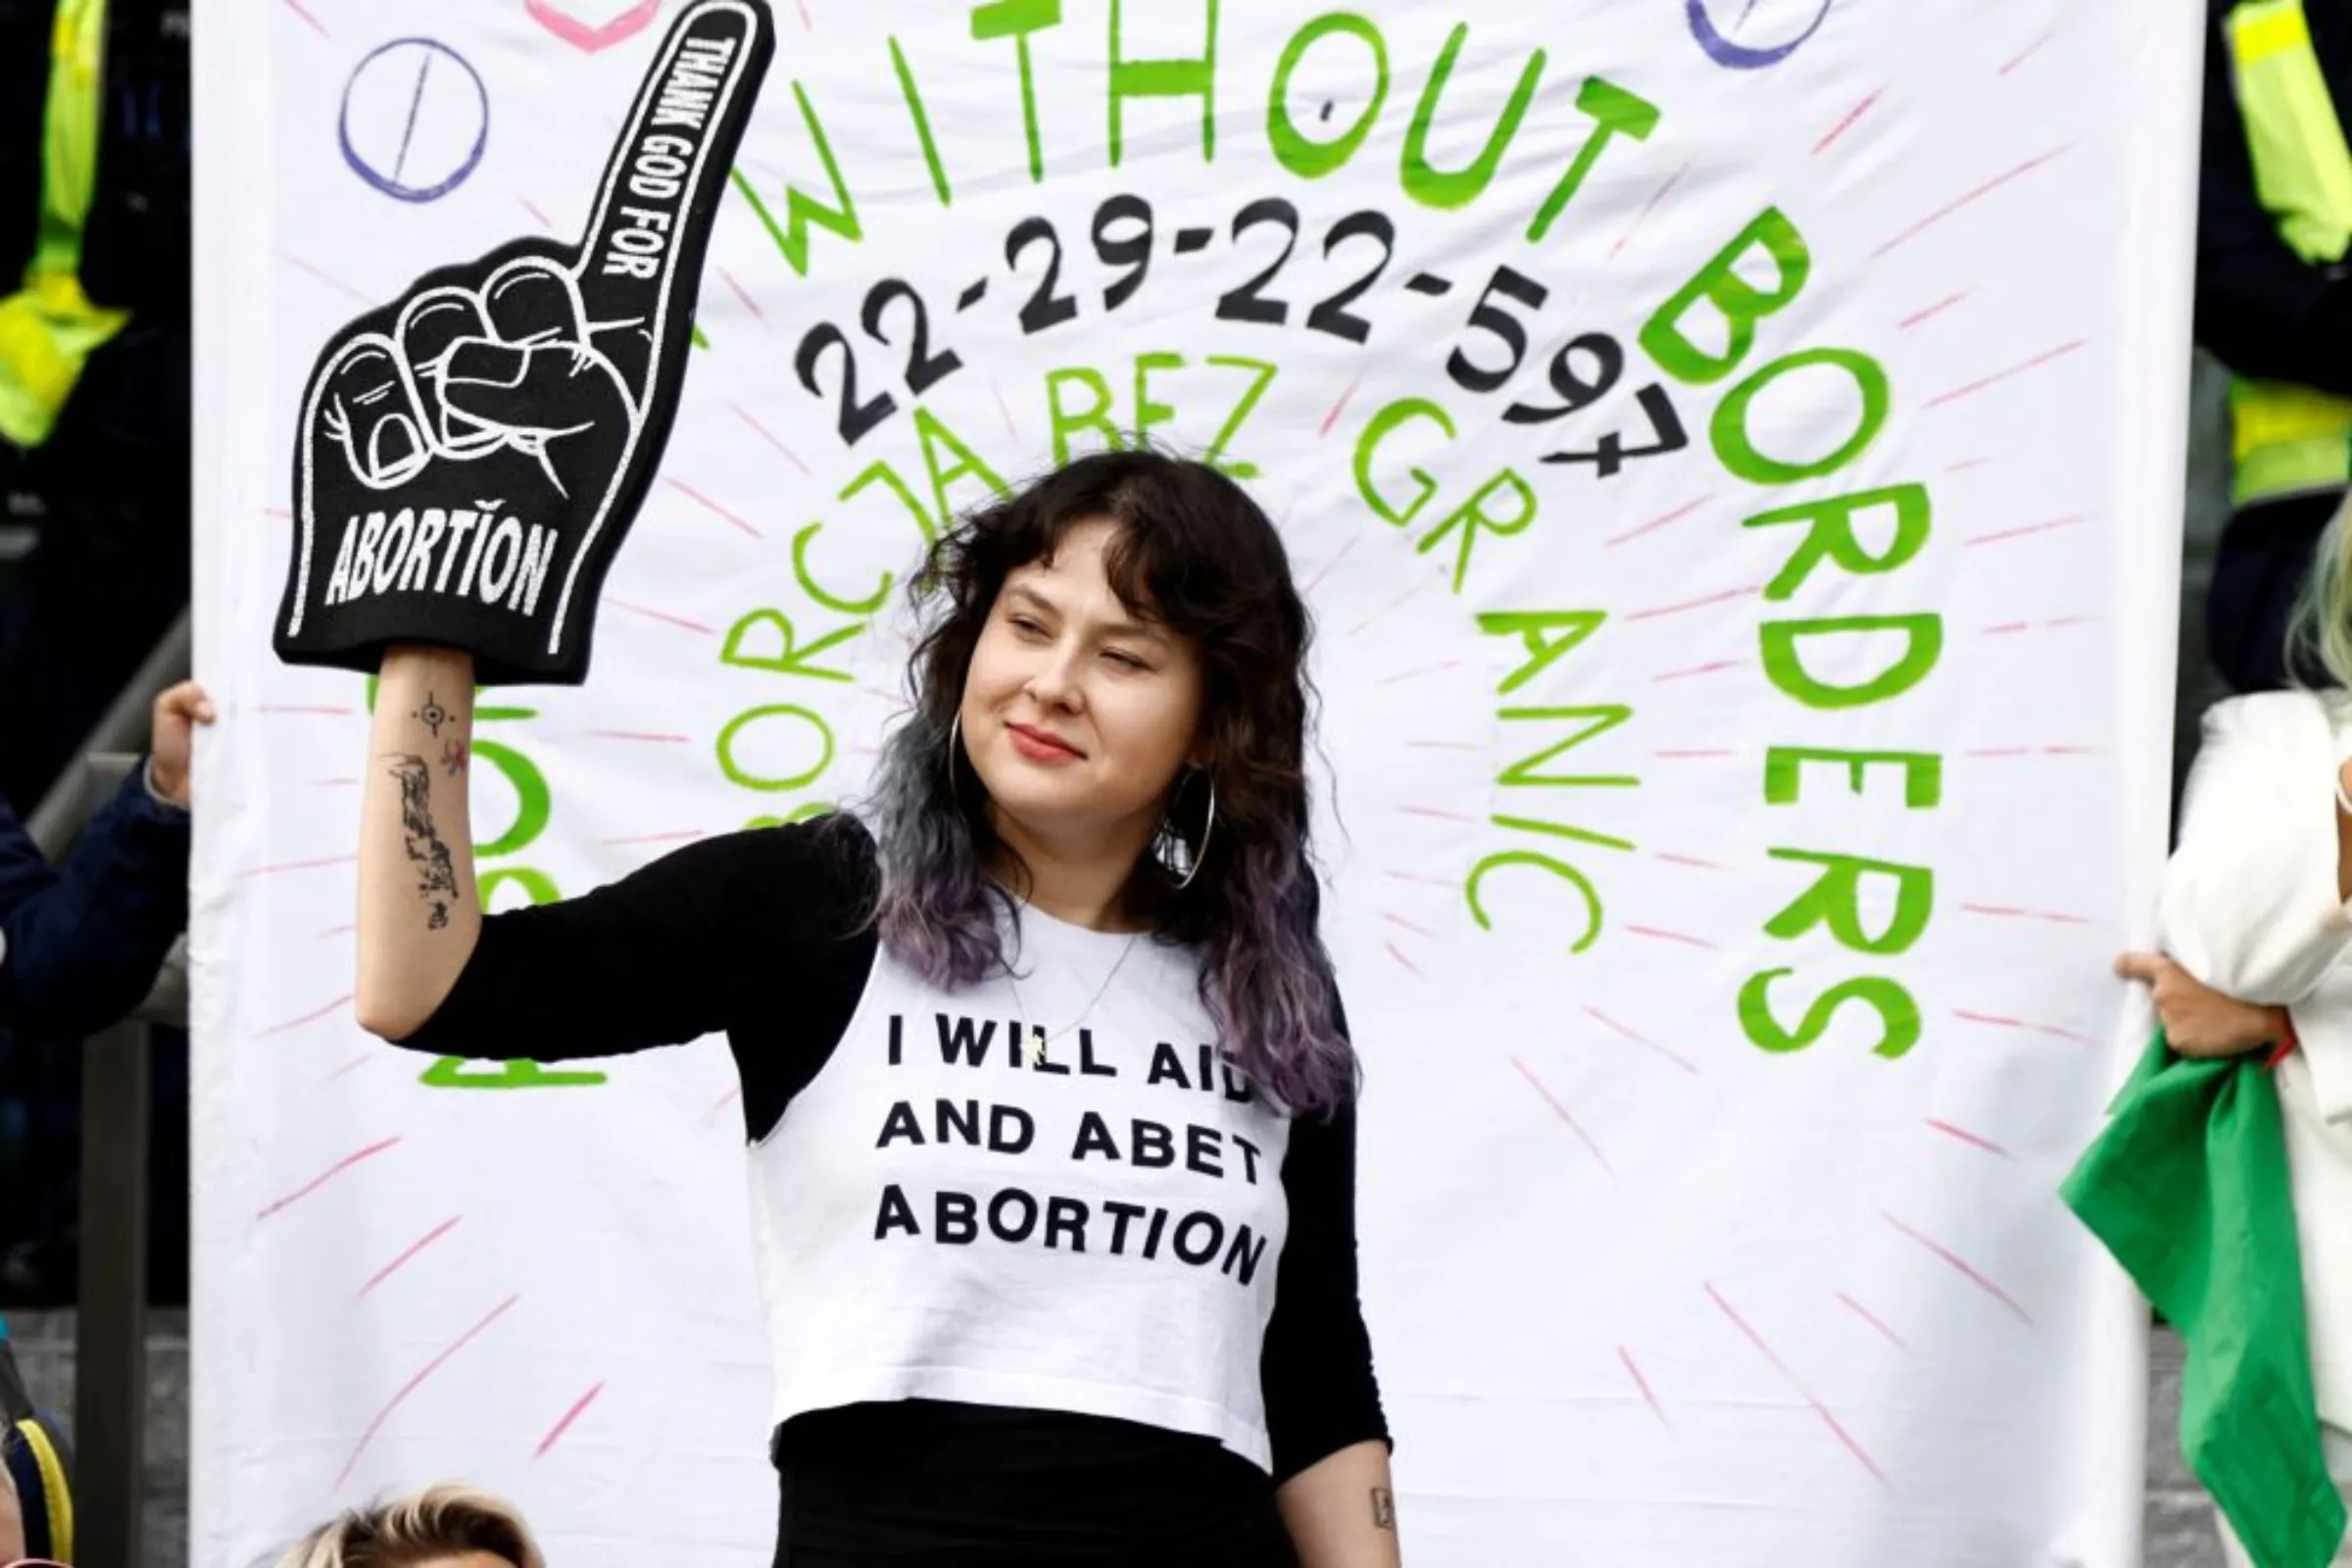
x,y
419,914
706,937
80,945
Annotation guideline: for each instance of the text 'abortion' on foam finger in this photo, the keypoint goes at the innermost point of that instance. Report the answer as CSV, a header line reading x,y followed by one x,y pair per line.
x,y
470,552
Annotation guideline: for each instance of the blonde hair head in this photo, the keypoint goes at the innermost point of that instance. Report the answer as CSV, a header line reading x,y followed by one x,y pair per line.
x,y
2318,636
441,1521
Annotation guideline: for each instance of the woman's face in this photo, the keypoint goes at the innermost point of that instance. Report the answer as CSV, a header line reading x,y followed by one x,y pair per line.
x,y
1077,716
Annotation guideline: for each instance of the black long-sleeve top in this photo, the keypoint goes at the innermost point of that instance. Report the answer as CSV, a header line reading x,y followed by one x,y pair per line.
x,y
762,935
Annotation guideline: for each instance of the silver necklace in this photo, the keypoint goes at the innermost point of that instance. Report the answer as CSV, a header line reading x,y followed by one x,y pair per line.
x,y
1039,1038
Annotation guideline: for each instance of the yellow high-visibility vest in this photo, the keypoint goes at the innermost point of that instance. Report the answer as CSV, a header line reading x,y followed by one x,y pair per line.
x,y
2287,439
48,328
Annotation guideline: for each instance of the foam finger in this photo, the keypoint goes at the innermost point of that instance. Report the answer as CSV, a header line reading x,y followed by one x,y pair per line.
x,y
533,300
365,406
429,327
641,259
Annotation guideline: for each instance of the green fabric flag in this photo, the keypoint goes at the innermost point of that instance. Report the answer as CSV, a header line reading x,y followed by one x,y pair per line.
x,y
2187,1187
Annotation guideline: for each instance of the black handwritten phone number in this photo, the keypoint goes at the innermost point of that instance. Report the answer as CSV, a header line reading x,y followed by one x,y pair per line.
x,y
1124,232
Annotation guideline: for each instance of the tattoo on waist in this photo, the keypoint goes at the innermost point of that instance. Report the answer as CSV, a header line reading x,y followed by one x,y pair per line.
x,y
1384,1508
436,874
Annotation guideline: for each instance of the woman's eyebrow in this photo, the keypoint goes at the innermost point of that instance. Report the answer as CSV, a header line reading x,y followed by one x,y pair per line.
x,y
1141,630
1126,627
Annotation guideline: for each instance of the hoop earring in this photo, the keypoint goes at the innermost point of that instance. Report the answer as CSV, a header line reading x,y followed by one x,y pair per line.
x,y
1171,847
1208,830
954,745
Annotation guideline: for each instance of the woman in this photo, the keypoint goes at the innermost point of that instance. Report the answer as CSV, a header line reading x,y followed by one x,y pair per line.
x,y
1049,1278
2256,930
441,1527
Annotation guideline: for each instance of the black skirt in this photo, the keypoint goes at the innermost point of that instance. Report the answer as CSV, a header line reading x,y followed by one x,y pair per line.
x,y
954,1486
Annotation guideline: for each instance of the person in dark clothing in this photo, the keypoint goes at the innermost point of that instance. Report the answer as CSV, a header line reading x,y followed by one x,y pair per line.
x,y
81,942
108,491
1122,1323
2274,305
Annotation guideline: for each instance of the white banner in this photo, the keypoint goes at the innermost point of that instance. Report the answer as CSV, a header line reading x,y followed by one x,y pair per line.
x,y
1732,450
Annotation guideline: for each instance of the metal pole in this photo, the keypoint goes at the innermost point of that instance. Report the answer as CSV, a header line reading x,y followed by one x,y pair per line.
x,y
110,1359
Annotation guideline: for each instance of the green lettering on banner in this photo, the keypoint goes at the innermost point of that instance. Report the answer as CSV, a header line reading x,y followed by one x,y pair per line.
x,y
882,473
1835,899
1431,187
461,1072
1567,873
1472,517
533,803
774,786
1615,113
1737,449
1562,830
808,584
800,209
1147,413
1367,448
1829,534
537,886
1162,78
1898,1015
1216,457
1017,19
922,123
1740,304
1067,422
1080,399
1294,149
1922,635
1923,773
787,658
936,437
1600,720
1530,627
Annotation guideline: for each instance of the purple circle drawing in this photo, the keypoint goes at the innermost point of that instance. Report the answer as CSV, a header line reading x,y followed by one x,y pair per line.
x,y
1734,56
414,121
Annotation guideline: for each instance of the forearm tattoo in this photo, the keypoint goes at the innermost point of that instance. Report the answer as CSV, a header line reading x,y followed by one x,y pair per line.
x,y
432,715
453,757
1384,1508
436,876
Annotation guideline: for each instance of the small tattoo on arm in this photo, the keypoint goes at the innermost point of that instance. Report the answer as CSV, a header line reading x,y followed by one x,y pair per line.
x,y
1384,1508
436,874
453,758
432,715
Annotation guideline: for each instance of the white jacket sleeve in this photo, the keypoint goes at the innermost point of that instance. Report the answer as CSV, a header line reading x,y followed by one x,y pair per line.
x,y
2250,899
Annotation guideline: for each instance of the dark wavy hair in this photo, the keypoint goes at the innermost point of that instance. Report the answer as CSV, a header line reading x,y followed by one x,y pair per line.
x,y
1191,550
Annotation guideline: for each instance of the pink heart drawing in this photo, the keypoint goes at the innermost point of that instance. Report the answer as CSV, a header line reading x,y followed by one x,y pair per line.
x,y
591,36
